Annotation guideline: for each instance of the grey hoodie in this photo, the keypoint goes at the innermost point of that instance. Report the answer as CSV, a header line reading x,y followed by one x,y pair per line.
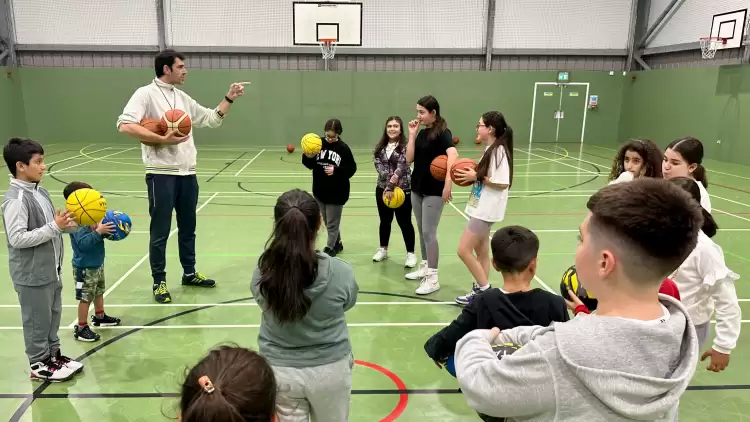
x,y
321,337
591,368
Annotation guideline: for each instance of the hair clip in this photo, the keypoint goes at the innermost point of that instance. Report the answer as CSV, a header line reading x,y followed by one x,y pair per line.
x,y
206,384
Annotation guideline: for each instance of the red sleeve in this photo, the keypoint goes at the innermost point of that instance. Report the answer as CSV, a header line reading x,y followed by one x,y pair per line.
x,y
581,308
668,287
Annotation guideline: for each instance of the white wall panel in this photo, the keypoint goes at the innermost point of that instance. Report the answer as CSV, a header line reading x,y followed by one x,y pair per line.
x,y
562,24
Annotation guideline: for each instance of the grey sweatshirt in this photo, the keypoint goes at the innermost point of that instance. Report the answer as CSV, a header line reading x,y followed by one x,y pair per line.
x,y
591,368
321,337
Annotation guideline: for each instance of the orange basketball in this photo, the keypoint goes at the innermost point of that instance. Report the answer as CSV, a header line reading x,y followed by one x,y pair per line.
x,y
462,164
177,120
439,167
153,125
477,140
455,140
290,148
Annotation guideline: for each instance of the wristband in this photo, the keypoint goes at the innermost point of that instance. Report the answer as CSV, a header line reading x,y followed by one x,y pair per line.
x,y
228,100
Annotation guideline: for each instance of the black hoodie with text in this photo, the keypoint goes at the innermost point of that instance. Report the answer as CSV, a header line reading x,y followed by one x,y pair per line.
x,y
333,189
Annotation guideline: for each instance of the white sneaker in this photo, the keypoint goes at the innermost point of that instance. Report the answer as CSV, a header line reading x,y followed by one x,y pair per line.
x,y
50,371
419,274
380,255
429,283
411,260
65,361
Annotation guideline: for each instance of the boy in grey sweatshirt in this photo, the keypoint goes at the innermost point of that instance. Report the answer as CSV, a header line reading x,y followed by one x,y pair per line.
x,y
635,357
35,252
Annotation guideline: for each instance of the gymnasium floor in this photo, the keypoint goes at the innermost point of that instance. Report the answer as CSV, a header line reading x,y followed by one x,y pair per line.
x,y
134,372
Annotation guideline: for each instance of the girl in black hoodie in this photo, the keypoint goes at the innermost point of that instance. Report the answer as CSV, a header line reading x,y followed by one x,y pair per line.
x,y
332,168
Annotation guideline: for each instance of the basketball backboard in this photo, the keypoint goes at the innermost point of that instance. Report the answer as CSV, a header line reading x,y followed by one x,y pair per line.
x,y
316,20
730,25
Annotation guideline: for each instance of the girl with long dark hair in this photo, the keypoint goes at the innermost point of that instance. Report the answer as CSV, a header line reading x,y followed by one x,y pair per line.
x,y
304,294
683,158
393,171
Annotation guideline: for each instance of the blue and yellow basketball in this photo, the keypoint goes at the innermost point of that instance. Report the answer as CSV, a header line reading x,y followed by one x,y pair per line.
x,y
122,224
570,281
87,206
311,144
397,199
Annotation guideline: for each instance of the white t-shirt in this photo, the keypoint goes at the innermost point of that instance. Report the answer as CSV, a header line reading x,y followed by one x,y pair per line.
x,y
705,199
706,284
488,203
390,148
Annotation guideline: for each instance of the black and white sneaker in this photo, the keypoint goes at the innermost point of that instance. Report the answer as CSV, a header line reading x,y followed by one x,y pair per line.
x,y
84,333
50,371
104,321
71,364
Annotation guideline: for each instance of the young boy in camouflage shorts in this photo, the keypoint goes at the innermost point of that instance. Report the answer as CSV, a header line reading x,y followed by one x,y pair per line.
x,y
88,272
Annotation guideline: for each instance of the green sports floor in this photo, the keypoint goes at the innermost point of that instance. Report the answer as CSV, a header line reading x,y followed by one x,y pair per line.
x,y
134,372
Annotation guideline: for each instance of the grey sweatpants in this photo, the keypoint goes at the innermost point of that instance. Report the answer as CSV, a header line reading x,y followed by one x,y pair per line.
x,y
332,219
427,211
41,310
318,394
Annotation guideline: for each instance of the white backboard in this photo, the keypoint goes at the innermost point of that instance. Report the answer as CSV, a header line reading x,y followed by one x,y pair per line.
x,y
730,25
314,20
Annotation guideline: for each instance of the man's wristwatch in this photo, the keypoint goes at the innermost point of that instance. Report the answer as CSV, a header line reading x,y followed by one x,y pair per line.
x,y
229,100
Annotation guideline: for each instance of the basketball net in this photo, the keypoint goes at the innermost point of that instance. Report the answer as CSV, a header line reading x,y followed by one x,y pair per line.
x,y
328,48
709,46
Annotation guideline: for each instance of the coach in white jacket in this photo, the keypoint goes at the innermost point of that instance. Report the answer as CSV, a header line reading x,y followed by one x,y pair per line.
x,y
170,164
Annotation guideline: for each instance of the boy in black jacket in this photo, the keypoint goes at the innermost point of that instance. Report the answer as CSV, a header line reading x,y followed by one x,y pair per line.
x,y
514,254
332,168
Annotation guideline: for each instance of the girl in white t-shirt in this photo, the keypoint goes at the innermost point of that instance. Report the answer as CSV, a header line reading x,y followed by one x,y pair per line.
x,y
489,197
707,287
636,158
683,158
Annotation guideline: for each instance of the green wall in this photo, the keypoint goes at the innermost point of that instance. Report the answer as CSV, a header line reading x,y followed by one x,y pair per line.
x,y
82,105
712,104
12,112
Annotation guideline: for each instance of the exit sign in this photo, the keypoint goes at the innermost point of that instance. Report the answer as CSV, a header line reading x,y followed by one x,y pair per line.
x,y
563,77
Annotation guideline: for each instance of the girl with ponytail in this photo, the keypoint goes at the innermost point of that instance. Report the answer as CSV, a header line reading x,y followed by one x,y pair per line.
x,y
303,294
488,199
683,158
707,289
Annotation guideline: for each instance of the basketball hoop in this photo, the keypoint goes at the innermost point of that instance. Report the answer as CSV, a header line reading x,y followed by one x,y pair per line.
x,y
327,47
709,45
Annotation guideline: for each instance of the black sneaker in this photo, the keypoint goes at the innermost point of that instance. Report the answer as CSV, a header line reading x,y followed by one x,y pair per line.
x,y
84,333
338,247
329,251
198,280
161,294
104,321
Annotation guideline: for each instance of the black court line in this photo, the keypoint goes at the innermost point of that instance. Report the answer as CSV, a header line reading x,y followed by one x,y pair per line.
x,y
229,164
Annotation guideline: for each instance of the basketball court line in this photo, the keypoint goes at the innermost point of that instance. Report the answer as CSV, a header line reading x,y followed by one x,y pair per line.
x,y
248,163
558,162
90,161
106,173
140,261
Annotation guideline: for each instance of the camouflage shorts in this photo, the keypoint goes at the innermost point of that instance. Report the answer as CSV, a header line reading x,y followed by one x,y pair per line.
x,y
89,283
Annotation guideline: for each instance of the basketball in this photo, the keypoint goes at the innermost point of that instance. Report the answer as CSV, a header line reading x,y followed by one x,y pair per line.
x,y
500,350
121,222
455,140
177,120
290,148
477,140
87,206
439,167
397,200
311,144
153,125
462,164
570,281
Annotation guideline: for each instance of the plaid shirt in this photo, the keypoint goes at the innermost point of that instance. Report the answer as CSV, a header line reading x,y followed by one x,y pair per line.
x,y
397,165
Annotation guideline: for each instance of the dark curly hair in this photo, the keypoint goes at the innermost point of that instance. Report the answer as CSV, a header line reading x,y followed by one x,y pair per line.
x,y
649,152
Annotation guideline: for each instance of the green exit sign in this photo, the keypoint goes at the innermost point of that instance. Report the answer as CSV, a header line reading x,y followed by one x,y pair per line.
x,y
563,77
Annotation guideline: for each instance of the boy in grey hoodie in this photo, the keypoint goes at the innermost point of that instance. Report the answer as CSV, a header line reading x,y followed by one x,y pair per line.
x,y
35,252
635,357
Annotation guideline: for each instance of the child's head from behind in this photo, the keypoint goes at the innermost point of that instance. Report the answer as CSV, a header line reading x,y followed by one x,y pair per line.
x,y
74,186
289,263
514,251
634,236
231,384
638,156
25,159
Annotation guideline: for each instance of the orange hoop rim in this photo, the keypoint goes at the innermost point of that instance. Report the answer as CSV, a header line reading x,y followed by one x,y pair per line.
x,y
327,40
719,39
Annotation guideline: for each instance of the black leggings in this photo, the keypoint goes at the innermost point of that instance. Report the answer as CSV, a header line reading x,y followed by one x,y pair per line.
x,y
403,217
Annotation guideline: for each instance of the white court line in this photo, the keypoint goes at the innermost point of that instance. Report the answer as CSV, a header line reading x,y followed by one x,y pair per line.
x,y
241,305
248,163
539,280
141,261
77,156
358,192
558,162
284,175
131,232
91,161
